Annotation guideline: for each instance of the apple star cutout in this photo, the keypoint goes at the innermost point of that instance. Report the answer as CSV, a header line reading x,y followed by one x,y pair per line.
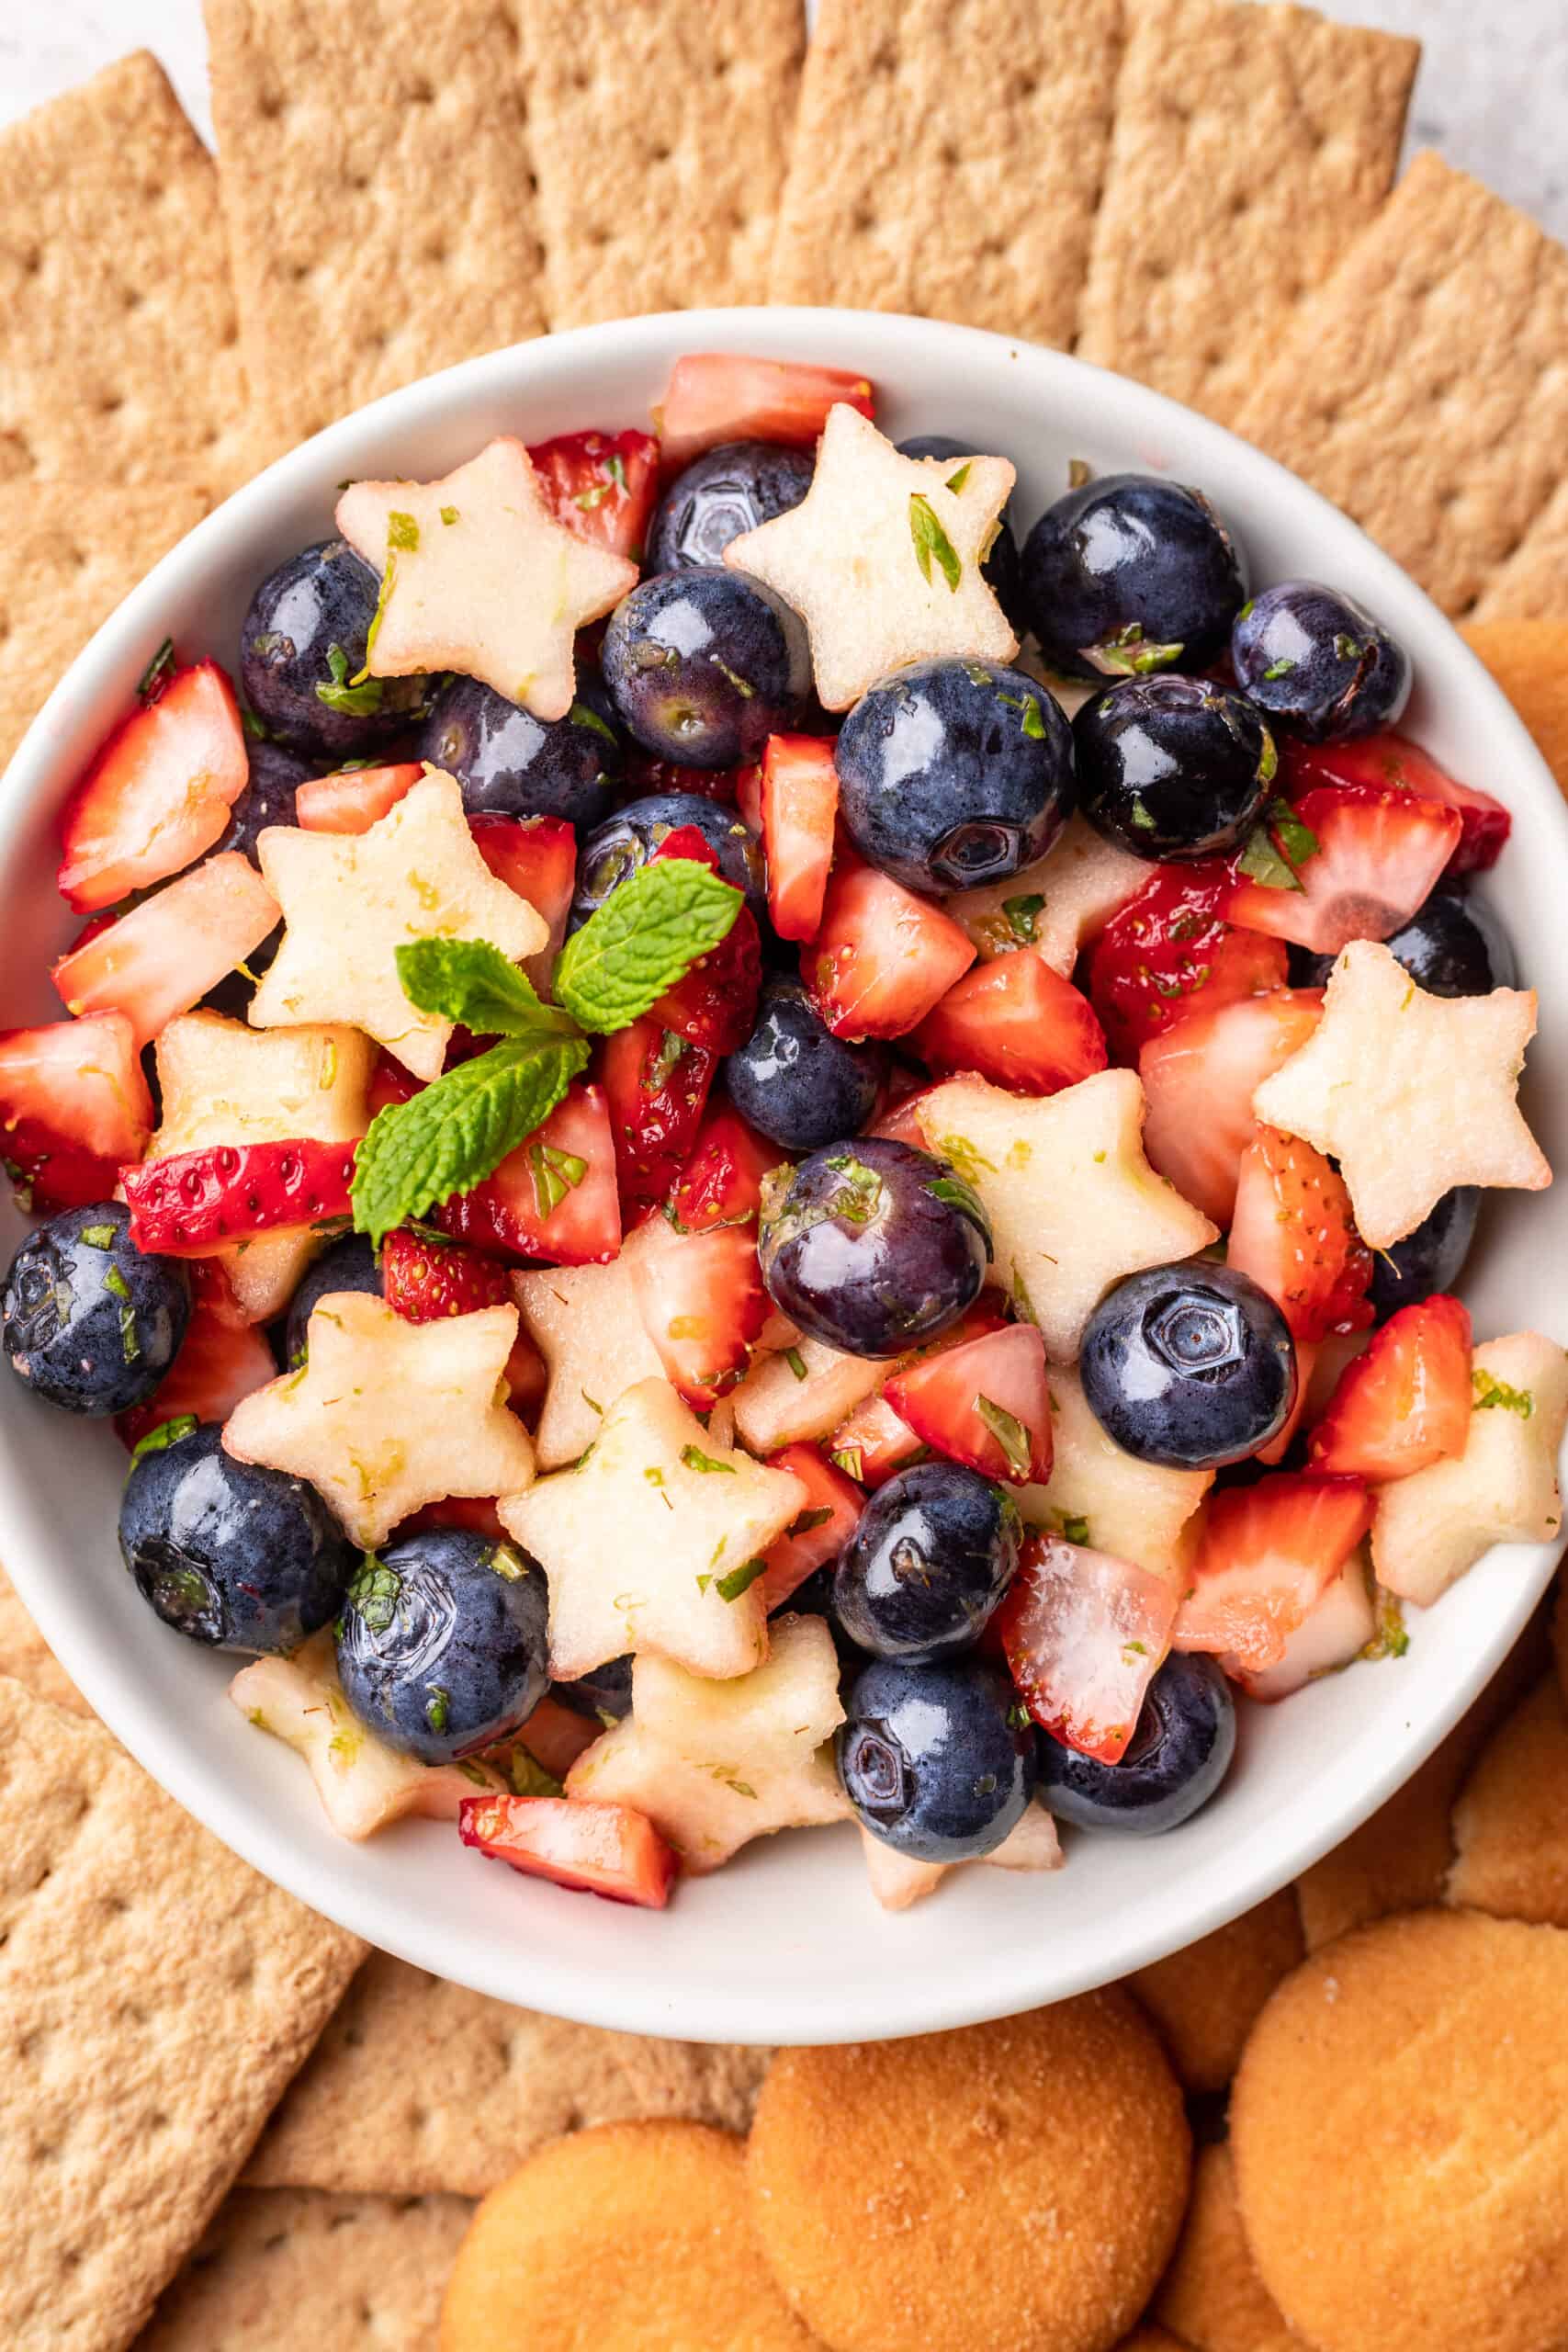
x,y
654,1542
1055,906
1411,1094
1109,1500
898,1880
351,901
386,1416
881,558
1072,1202
478,576
584,1322
716,1764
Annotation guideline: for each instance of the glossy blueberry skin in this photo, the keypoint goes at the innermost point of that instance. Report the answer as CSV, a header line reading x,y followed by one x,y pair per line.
x,y
91,1328
722,494
324,596
228,1553
939,784
929,1759
1178,1757
860,1252
1172,767
1429,1259
348,1264
704,665
1190,1366
798,1084
1454,946
511,765
1002,571
604,1696
628,839
440,1651
1318,662
933,1554
1131,552
275,776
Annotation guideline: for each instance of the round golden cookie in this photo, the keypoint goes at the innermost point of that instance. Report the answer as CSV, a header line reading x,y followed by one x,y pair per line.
x,y
1212,2295
1010,2188
1149,2338
1204,1999
631,2237
1400,2131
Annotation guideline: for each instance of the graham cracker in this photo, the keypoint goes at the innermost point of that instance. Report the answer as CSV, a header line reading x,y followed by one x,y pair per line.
x,y
418,2085
120,359
26,1657
376,183
1250,145
687,112
949,160
1532,584
283,2269
155,1996
1424,387
72,555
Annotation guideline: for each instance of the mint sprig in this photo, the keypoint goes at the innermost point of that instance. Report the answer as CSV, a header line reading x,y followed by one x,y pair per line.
x,y
450,1137
470,981
659,922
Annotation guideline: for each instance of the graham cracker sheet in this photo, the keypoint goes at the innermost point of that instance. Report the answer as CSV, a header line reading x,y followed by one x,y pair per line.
x,y
1531,585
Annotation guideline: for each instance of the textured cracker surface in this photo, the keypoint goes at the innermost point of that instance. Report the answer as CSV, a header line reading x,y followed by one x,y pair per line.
x,y
1532,584
1511,1820
1212,2295
1204,1999
26,1657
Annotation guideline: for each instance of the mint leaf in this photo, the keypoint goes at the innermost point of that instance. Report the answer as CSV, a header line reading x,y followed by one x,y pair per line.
x,y
167,1433
739,1581
931,542
470,981
646,936
449,1137
359,698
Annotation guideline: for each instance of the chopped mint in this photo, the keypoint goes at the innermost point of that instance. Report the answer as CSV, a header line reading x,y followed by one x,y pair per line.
x,y
129,1346
449,516
809,1520
157,673
98,1236
739,1581
695,1459
583,714
963,1156
507,1562
795,1362
931,542
528,1776
402,534
374,1592
437,1707
851,1461
167,1433
1008,1432
1490,1392
555,1173
359,697
1347,649
1280,669
957,480
1022,913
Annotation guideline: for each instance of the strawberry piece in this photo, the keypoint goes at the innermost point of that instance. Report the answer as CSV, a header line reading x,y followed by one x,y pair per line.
x,y
158,792
74,1108
390,1083
1393,764
882,959
985,1404
722,1182
874,1443
601,485
423,1280
1266,1555
901,1120
718,396
1406,1403
1293,1232
354,799
798,804
647,775
1170,952
536,856
220,1359
656,1087
192,1203
819,1531
715,1004
163,956
1017,1023
597,1848
555,1197
477,1513
1084,1635
1379,856
555,1736
749,795
1279,1444
703,1306
1199,1080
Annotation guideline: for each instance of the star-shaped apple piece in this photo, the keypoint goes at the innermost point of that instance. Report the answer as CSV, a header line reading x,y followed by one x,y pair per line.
x,y
899,1880
1411,1094
1055,906
881,558
654,1541
716,1764
1072,1202
351,901
584,1322
1104,1499
386,1416
477,575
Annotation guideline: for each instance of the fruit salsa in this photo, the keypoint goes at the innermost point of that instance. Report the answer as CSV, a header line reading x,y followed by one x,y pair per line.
x,y
737,1154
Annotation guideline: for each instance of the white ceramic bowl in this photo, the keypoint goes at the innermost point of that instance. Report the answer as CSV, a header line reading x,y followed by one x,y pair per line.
x,y
785,1944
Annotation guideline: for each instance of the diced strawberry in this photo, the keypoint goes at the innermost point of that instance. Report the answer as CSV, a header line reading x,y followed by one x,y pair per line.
x,y
985,1404
1379,856
1265,1556
556,1736
158,792
601,485
354,799
1293,1232
527,1375
1170,953
900,1122
656,1087
1199,1081
390,1083
1393,764
703,1306
192,1203
718,396
1017,1023
73,1109
220,1359
1334,1632
555,1197
424,1280
820,1530
1279,1444
722,1182
163,956
875,1442
882,959
475,1513
598,1849
799,808
1406,1403
647,775
749,795
1084,1635
715,1003
536,856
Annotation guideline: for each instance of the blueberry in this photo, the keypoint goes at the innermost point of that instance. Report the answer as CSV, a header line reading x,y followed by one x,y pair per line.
x,y
511,765
628,839
1128,572
934,1759
350,1264
934,1552
1318,662
1190,1366
1173,767
798,1084
228,1553
704,665
604,1696
275,776
1179,1754
952,773
719,495
1451,946
1429,1259
303,643
441,1644
1002,569
872,1246
90,1322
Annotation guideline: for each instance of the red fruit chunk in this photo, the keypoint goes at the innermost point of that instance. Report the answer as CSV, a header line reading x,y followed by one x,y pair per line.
x,y
1266,1556
1293,1232
1406,1403
1017,1023
874,1443
221,1359
158,792
722,1182
555,1736
354,799
598,1849
985,1404
749,795
656,1088
718,396
646,774
192,1203
703,1306
423,1280
1379,856
882,959
715,1005
1391,763
1084,1635
163,956
820,1530
555,1197
74,1108
1199,1080
799,803
475,1513
1170,953
601,485
536,856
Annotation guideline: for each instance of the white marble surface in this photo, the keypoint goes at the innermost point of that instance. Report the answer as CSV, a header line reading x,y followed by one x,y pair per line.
x,y
1492,93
